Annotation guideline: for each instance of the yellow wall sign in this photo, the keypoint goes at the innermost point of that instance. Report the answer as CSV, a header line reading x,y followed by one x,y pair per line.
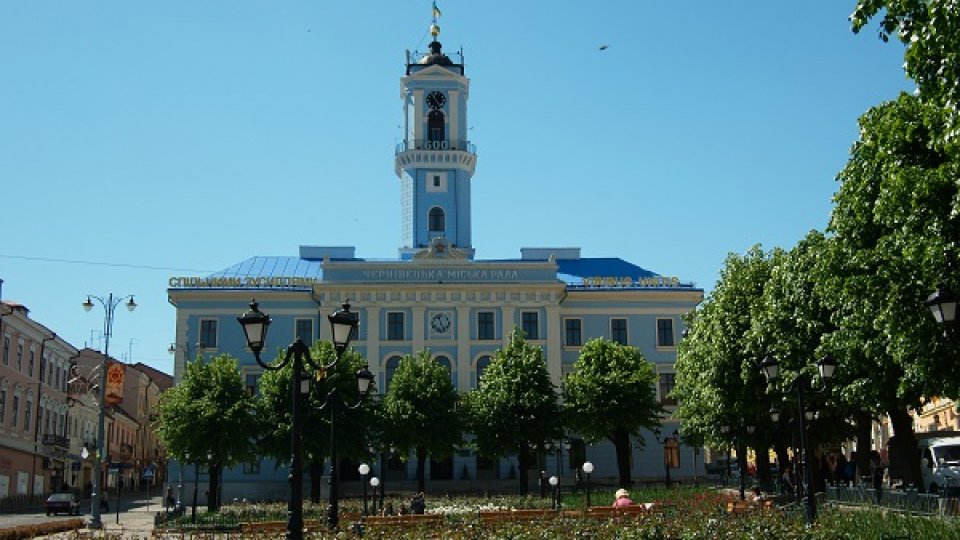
x,y
240,282
654,281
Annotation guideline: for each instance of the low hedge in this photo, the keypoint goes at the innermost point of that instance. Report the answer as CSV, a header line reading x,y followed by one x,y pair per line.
x,y
40,529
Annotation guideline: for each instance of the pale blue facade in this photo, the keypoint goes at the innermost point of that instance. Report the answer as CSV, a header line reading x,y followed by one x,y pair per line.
x,y
437,296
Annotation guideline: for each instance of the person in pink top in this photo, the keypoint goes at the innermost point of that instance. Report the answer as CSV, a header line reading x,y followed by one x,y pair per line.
x,y
622,498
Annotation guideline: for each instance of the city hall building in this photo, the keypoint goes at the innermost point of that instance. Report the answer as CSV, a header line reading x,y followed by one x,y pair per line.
x,y
437,296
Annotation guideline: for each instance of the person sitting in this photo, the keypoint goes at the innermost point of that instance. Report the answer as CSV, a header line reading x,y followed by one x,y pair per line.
x,y
417,504
755,496
622,498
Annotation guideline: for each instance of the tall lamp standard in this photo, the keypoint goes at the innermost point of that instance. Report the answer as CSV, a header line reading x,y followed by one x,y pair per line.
x,y
374,484
588,468
343,322
109,304
801,385
364,470
671,453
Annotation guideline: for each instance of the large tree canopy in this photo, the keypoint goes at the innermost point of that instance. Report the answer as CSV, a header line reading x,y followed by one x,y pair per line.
x,y
930,30
612,395
420,411
204,415
515,406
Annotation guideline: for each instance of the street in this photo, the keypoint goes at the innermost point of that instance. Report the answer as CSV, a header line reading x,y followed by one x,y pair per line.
x,y
136,514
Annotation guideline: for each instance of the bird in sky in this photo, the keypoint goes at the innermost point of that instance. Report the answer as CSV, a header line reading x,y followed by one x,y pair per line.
x,y
604,47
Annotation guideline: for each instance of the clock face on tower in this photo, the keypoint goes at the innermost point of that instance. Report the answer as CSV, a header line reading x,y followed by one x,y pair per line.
x,y
440,323
435,100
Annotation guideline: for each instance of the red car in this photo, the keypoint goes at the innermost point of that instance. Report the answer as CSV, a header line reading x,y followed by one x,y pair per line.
x,y
63,503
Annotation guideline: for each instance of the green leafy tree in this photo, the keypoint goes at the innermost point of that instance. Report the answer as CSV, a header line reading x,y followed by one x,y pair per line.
x,y
209,412
719,382
930,32
897,235
794,318
515,406
352,425
612,395
419,412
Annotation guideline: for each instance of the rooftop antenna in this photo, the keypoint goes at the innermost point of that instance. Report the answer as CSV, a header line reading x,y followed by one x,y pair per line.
x,y
434,27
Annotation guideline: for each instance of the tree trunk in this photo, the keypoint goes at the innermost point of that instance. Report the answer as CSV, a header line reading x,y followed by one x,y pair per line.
x,y
213,488
316,479
524,461
763,465
621,442
906,446
421,469
862,459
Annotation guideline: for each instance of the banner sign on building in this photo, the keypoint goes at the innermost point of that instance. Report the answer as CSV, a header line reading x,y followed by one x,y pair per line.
x,y
114,384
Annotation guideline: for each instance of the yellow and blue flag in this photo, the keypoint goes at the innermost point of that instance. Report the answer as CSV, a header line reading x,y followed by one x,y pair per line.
x,y
436,10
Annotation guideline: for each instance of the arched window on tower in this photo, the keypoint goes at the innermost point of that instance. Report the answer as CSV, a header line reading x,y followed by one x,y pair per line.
x,y
437,221
435,126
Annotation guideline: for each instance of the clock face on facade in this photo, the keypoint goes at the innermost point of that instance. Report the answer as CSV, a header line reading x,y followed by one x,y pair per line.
x,y
435,100
440,323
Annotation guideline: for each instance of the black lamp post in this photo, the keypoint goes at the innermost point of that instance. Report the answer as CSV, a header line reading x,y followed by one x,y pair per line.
x,y
671,450
364,470
374,484
588,468
555,485
801,385
343,322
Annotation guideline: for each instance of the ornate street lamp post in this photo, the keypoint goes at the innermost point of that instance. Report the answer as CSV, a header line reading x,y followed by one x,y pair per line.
x,y
109,307
801,385
343,322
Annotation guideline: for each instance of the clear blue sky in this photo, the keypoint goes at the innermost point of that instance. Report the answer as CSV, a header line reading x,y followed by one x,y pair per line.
x,y
154,139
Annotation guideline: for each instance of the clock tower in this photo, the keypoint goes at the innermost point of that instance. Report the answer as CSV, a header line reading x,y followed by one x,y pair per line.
x,y
435,161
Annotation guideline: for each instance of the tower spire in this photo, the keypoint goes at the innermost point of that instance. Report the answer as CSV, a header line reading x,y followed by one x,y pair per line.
x,y
434,27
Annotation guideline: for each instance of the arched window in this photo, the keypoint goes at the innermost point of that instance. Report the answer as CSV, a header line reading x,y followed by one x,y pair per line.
x,y
445,362
435,126
482,364
437,221
388,370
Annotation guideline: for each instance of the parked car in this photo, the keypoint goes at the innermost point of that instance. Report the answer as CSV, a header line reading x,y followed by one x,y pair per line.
x,y
63,503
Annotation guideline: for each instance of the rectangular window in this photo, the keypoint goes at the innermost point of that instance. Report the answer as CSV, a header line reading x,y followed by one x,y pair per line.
x,y
16,412
618,331
667,382
6,350
485,328
252,467
20,356
572,333
3,408
27,415
531,328
31,363
664,332
395,326
304,331
208,333
252,383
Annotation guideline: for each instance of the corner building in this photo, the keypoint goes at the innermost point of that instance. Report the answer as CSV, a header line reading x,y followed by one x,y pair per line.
x,y
435,295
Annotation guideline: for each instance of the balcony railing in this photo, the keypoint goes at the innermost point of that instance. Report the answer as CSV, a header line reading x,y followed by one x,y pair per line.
x,y
58,441
424,144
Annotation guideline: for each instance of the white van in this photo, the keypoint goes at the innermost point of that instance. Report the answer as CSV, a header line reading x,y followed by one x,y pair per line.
x,y
940,461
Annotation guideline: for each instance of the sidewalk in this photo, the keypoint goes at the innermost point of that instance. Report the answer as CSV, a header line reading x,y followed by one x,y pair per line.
x,y
135,523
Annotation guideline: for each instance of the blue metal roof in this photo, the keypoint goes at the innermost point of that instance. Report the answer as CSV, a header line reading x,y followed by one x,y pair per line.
x,y
273,267
569,271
